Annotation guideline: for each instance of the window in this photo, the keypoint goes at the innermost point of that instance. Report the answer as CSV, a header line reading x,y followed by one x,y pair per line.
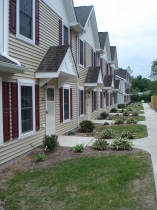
x,y
101,100
81,53
81,101
94,100
26,108
26,20
66,103
66,36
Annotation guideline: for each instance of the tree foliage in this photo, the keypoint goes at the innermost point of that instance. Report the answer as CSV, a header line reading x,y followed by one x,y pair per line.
x,y
140,84
153,74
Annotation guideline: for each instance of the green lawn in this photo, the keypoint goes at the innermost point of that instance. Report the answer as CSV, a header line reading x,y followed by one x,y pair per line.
x,y
139,130
139,107
140,118
89,183
141,112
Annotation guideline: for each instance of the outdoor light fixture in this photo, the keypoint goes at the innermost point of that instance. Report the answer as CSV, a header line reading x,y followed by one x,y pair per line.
x,y
45,86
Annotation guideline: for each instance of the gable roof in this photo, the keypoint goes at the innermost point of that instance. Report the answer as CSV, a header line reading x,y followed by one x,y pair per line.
x,y
82,14
113,50
52,59
108,80
102,38
92,74
116,84
121,73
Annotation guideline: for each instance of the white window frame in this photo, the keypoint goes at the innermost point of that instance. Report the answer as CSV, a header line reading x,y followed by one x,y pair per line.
x,y
32,84
1,116
79,53
95,99
81,89
100,99
63,24
66,87
18,35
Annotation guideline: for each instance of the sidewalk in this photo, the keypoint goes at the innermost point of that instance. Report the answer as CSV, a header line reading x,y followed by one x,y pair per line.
x,y
150,143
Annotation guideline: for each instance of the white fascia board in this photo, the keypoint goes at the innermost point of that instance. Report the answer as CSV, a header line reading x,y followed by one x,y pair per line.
x,y
77,27
120,78
90,84
106,88
46,75
10,58
88,18
69,7
12,68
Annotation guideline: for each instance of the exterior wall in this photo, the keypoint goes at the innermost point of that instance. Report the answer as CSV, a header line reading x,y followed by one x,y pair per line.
x,y
88,36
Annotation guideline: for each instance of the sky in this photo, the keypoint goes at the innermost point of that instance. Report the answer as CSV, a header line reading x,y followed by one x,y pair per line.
x,y
132,27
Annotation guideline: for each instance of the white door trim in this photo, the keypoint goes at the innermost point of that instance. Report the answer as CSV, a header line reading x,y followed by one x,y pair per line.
x,y
1,115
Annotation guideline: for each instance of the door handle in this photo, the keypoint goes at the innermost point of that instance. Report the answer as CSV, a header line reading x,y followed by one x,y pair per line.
x,y
47,112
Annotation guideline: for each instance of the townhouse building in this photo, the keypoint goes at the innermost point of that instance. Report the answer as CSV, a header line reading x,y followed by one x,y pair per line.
x,y
53,70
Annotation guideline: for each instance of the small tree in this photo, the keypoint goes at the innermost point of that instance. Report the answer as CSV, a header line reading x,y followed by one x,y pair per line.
x,y
153,74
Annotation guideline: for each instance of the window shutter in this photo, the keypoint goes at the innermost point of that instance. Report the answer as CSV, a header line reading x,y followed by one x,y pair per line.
x,y
92,101
84,101
37,107
14,98
110,99
106,99
60,32
37,22
102,100
61,104
92,56
71,104
106,69
13,16
84,54
71,33
6,113
79,102
97,100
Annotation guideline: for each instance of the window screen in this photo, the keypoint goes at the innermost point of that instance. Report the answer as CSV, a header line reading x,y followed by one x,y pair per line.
x,y
81,52
26,109
66,104
26,11
66,37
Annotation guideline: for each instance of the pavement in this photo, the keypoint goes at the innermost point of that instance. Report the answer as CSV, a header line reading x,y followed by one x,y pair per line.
x,y
148,144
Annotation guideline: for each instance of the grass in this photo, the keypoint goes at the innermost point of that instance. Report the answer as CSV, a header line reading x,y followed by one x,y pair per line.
x,y
104,182
140,118
139,107
139,130
141,112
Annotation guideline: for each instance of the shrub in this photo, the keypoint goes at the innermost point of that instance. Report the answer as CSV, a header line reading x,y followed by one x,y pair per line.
x,y
79,147
126,113
106,123
87,126
113,110
122,110
108,133
40,156
71,133
100,118
116,114
100,144
121,144
110,118
50,141
135,112
131,120
103,115
120,120
127,134
129,108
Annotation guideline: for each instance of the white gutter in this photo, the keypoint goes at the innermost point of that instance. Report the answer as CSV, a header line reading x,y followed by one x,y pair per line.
x,y
10,58
79,26
13,67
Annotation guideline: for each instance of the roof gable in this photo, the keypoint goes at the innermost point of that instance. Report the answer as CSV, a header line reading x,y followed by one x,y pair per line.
x,y
94,76
105,45
102,38
82,14
114,56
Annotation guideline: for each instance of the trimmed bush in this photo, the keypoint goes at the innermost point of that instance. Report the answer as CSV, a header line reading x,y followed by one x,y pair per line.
x,y
113,110
100,144
108,133
122,144
87,126
106,123
71,133
135,112
126,113
79,147
127,134
40,156
120,120
131,120
103,115
50,141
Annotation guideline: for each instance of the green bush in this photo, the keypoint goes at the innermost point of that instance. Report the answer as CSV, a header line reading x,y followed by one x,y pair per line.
x,y
87,126
79,147
135,112
122,144
108,133
40,156
126,113
106,123
116,114
131,120
127,134
100,118
50,141
103,115
71,133
120,120
113,110
129,108
100,144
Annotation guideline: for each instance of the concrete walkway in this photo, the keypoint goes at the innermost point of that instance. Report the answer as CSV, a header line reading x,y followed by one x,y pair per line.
x,y
149,143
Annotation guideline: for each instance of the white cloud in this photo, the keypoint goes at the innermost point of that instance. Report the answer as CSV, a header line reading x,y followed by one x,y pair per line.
x,y
132,27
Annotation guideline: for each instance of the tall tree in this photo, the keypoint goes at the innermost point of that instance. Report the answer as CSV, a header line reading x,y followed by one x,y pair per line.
x,y
153,74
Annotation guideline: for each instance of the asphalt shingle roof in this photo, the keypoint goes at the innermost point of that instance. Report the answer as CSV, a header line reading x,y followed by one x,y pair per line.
x,y
108,80
121,73
6,60
92,74
113,50
102,38
116,84
82,14
52,59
